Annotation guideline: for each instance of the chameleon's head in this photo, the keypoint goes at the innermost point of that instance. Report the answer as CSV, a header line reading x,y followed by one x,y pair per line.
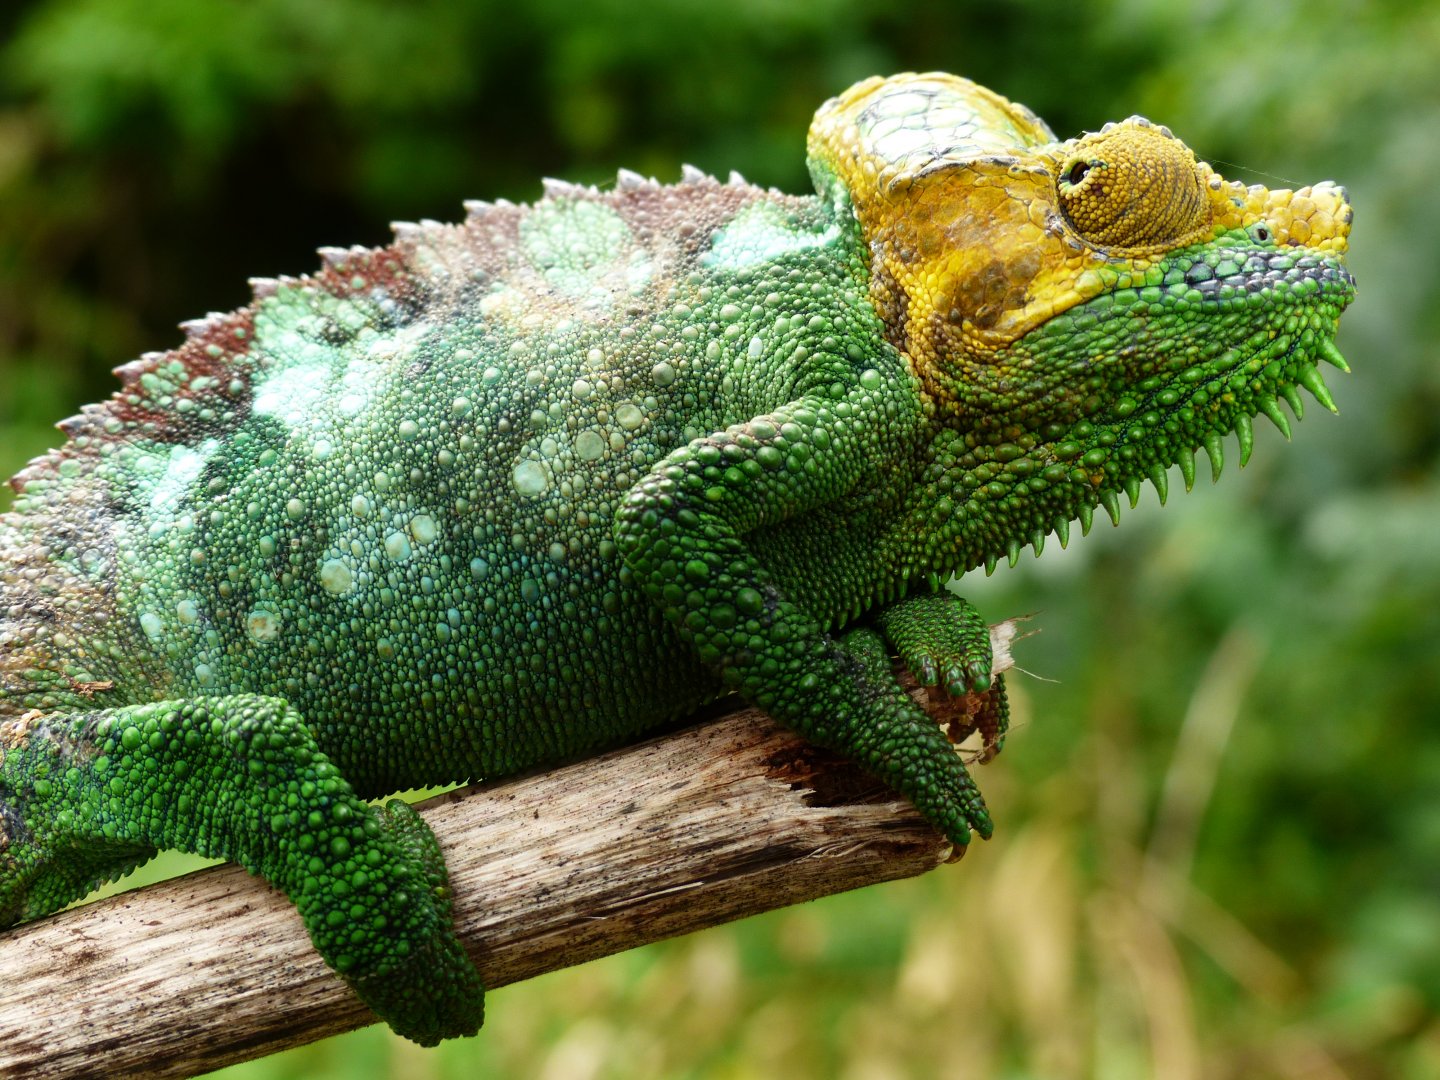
x,y
1099,308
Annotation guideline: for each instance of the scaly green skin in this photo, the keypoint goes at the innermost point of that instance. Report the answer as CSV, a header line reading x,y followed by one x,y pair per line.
x,y
507,492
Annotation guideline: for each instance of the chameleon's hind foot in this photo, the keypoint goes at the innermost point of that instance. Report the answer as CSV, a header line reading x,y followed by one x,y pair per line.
x,y
103,789
432,993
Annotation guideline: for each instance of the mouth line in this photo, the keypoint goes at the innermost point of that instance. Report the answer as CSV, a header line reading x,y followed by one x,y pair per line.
x,y
1257,277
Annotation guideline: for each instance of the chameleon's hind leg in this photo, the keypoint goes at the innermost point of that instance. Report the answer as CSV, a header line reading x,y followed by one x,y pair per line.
x,y
84,796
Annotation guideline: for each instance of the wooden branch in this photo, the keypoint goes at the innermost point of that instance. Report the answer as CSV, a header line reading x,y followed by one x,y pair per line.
x,y
696,828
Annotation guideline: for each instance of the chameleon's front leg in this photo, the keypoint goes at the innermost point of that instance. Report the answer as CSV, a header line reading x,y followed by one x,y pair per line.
x,y
84,796
682,531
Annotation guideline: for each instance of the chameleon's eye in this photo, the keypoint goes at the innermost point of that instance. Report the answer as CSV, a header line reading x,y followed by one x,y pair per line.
x,y
1077,172
1135,187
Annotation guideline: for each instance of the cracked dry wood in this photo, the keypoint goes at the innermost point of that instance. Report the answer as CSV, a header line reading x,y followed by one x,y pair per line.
x,y
691,829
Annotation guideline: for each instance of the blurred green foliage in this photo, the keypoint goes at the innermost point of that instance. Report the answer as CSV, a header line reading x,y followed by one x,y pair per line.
x,y
1219,843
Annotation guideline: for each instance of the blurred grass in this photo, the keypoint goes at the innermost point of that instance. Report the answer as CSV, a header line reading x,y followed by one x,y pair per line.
x,y
1218,822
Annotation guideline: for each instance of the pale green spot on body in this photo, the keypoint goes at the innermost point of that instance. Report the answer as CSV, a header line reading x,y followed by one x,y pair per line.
x,y
178,472
761,233
263,625
296,393
577,243
531,478
589,446
424,529
335,577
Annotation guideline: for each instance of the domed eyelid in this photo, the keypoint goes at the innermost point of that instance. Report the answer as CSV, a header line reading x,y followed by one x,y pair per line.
x,y
1132,216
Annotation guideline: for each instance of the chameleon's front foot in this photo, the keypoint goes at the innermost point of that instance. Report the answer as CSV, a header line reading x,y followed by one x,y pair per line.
x,y
919,758
88,795
944,642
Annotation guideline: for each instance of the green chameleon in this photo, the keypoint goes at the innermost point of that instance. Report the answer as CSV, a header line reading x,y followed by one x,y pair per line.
x,y
507,492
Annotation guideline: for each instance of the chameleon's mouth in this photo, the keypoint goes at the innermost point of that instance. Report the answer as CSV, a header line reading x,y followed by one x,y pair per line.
x,y
1200,404
1170,415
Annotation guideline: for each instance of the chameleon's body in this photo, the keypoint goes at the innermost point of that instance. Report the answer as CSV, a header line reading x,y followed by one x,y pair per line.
x,y
508,491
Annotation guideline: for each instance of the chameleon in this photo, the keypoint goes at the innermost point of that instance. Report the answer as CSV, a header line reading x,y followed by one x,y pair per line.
x,y
511,491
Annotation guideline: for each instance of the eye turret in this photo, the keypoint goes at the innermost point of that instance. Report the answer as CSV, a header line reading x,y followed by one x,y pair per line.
x,y
1132,185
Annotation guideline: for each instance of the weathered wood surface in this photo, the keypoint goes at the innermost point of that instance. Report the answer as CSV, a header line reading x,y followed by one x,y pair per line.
x,y
689,830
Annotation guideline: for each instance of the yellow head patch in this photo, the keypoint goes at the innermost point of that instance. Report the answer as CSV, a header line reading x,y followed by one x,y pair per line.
x,y
981,226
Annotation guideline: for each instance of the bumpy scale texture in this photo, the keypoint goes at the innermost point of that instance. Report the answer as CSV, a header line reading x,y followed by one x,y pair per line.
x,y
508,491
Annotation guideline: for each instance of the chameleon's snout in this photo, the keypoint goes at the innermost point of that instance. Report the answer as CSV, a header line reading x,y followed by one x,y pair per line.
x,y
1316,217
